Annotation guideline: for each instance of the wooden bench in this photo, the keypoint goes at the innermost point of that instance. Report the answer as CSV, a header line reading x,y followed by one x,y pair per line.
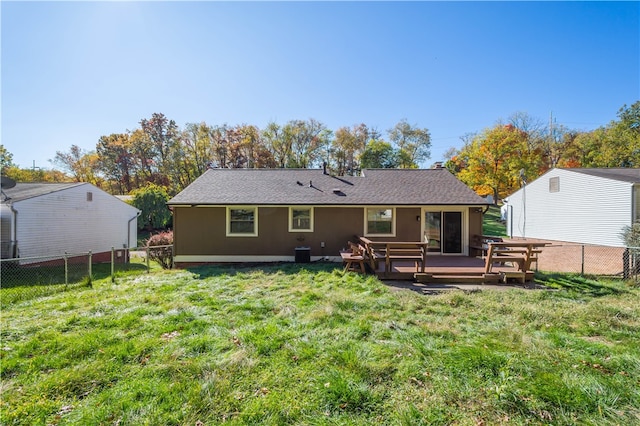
x,y
404,252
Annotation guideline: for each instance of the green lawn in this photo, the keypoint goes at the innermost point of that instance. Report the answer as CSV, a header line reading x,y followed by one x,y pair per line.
x,y
311,345
491,223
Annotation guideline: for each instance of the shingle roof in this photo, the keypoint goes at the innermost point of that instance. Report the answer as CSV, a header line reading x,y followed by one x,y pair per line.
x,y
312,187
624,175
23,191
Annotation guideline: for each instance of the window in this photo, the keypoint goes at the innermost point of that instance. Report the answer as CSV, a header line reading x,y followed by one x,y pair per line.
x,y
89,196
242,221
380,221
554,184
300,219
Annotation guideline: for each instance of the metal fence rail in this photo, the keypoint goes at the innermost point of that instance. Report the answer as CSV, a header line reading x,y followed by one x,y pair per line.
x,y
28,278
591,260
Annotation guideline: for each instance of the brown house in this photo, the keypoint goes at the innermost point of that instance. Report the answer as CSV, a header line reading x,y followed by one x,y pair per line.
x,y
254,215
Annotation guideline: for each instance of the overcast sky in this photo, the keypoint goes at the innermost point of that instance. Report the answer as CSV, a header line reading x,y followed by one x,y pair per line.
x,y
74,71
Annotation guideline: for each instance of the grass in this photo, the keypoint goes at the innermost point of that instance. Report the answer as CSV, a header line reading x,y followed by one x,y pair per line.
x,y
492,225
310,345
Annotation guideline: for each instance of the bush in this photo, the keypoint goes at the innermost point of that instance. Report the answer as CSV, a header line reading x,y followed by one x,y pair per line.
x,y
160,248
631,235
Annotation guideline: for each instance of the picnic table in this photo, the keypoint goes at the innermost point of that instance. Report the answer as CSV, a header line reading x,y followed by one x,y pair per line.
x,y
353,257
395,251
480,243
520,254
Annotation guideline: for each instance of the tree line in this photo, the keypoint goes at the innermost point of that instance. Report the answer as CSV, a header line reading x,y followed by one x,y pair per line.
x,y
160,153
494,161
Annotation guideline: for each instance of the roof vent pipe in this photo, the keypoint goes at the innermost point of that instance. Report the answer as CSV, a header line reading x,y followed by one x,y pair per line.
x,y
310,184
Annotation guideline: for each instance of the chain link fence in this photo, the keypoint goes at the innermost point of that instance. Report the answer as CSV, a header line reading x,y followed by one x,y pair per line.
x,y
28,278
591,260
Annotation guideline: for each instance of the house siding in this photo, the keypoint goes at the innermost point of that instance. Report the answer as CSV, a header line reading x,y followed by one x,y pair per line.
x,y
200,231
65,221
586,209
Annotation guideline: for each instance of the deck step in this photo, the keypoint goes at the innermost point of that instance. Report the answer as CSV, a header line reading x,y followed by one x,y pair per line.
x,y
457,273
459,278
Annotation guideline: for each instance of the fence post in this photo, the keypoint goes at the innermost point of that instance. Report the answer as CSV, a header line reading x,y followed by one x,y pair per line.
x,y
147,258
113,257
626,264
66,270
582,261
90,267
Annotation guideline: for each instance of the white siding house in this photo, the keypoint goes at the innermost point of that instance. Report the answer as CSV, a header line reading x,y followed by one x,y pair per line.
x,y
49,219
588,206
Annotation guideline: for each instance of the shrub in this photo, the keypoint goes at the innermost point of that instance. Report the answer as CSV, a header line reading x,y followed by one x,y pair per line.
x,y
160,248
631,235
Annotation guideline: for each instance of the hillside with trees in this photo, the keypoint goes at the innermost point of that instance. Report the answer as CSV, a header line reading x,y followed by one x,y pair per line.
x,y
499,159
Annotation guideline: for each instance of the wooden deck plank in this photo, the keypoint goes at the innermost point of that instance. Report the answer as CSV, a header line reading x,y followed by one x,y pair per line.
x,y
446,269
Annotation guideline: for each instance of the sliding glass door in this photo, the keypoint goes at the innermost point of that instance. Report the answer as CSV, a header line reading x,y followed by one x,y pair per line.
x,y
444,231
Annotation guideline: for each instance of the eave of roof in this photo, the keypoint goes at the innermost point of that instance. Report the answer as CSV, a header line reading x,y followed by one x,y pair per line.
x,y
631,175
24,191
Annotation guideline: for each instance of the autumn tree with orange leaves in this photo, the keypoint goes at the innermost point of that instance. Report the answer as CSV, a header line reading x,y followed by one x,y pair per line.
x,y
496,161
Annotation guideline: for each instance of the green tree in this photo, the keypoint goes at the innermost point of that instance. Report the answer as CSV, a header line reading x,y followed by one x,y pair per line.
x,y
347,147
414,144
275,141
615,145
81,164
151,201
252,148
342,151
307,139
163,135
379,154
6,159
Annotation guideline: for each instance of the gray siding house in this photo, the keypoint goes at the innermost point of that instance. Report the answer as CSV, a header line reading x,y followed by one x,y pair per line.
x,y
49,219
587,206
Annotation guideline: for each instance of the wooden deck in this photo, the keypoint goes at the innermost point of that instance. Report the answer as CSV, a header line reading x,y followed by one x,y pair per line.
x,y
502,263
446,269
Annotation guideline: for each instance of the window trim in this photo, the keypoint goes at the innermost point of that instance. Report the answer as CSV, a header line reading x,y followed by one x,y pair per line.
x,y
311,220
243,234
366,221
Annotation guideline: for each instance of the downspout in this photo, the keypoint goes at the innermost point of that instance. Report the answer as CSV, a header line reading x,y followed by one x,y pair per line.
x,y
129,227
14,238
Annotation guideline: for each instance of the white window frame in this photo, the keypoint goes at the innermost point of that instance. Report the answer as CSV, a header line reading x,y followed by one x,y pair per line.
x,y
465,226
311,222
393,221
243,234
